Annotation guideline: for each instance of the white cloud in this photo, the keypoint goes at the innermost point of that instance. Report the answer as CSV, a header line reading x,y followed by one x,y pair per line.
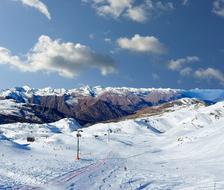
x,y
207,74
178,64
37,4
158,5
186,71
53,56
137,14
143,12
132,9
155,76
91,36
210,73
113,8
142,44
218,7
108,40
185,2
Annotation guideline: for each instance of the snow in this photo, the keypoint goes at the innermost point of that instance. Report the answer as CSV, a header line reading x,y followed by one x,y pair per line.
x,y
67,125
177,150
72,100
10,107
26,91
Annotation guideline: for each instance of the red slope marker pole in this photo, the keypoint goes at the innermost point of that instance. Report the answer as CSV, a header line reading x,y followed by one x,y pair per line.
x,y
78,135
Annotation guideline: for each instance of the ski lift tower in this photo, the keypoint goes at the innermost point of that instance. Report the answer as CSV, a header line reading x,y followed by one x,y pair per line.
x,y
78,135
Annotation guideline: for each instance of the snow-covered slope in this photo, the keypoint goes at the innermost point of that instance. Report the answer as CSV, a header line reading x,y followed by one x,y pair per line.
x,y
179,150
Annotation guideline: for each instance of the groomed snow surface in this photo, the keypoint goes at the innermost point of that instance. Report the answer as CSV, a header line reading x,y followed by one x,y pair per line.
x,y
178,150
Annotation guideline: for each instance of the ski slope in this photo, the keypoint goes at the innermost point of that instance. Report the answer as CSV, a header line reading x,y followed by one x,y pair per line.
x,y
177,150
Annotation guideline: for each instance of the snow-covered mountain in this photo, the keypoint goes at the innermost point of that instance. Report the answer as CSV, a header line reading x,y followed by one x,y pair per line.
x,y
23,94
179,148
12,112
89,105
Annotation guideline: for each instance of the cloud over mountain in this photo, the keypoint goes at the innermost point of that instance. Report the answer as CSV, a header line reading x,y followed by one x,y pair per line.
x,y
178,64
210,73
54,56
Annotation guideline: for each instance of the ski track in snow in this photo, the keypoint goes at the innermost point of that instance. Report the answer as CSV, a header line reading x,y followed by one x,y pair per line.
x,y
65,179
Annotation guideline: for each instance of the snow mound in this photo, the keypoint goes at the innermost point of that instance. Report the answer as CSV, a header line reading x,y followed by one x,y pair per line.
x,y
67,125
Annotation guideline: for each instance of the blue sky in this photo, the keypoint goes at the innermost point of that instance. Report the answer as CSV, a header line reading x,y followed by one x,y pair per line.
x,y
136,43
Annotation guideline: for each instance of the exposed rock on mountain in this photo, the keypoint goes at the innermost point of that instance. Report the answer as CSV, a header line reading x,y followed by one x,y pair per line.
x,y
12,112
90,105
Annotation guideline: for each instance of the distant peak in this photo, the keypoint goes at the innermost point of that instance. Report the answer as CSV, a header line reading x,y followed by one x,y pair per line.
x,y
27,88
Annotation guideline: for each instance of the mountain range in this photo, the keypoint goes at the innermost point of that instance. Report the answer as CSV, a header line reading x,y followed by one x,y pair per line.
x,y
90,105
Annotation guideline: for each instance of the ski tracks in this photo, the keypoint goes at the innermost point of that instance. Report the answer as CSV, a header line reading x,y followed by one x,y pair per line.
x,y
67,178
